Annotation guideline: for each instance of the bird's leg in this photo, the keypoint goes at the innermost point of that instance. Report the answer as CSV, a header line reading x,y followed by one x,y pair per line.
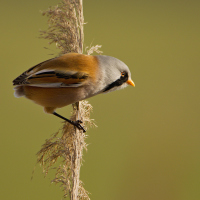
x,y
76,123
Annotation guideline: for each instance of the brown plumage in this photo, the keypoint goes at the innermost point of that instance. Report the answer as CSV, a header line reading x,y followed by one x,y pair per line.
x,y
48,83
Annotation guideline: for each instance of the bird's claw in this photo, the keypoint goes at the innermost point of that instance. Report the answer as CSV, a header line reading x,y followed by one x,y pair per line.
x,y
77,124
79,121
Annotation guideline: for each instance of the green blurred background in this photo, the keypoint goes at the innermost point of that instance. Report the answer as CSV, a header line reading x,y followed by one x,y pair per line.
x,y
147,144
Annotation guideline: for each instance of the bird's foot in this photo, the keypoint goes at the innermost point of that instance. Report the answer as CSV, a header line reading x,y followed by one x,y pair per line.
x,y
78,125
75,123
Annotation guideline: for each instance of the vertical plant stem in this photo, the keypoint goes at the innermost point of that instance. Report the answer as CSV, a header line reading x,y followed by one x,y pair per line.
x,y
77,157
66,31
77,142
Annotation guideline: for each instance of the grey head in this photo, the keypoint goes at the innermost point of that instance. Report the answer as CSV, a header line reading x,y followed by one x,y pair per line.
x,y
114,74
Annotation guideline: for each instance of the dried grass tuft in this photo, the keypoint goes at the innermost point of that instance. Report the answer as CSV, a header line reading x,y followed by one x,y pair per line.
x,y
66,31
68,144
65,26
92,49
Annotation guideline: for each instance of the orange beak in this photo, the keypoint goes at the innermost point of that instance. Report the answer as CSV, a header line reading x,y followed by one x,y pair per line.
x,y
130,82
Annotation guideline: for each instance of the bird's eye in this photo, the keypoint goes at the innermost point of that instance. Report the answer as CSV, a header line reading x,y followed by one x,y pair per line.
x,y
123,74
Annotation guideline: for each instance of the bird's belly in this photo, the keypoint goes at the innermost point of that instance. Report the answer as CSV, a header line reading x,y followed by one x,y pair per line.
x,y
54,97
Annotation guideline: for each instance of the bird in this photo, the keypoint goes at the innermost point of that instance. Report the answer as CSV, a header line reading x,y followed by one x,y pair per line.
x,y
70,78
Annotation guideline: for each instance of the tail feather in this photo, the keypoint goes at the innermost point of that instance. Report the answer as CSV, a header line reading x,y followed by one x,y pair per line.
x,y
19,91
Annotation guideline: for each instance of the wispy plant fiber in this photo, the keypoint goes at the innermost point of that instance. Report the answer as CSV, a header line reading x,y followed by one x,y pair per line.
x,y
65,29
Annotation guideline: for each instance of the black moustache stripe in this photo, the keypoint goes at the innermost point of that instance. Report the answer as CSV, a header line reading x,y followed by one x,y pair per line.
x,y
117,83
